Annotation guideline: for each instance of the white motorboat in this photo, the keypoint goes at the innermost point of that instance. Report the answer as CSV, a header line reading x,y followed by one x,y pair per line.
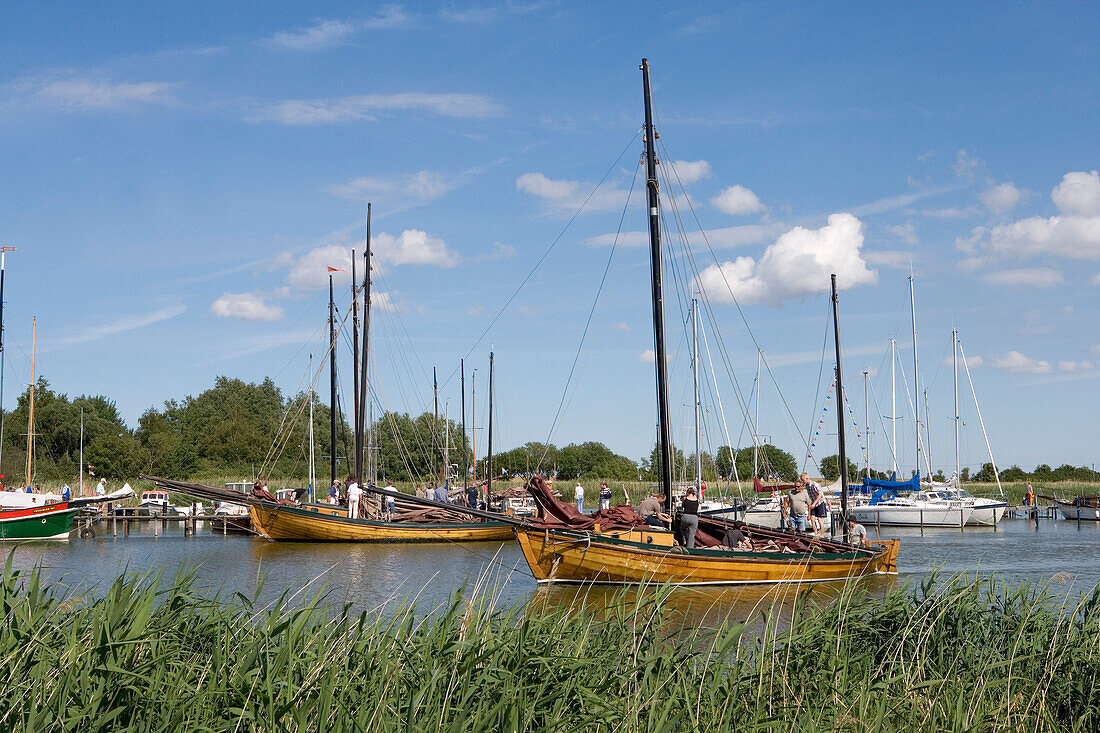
x,y
23,500
913,511
987,512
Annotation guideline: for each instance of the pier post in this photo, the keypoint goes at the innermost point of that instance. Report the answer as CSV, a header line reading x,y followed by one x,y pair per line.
x,y
125,527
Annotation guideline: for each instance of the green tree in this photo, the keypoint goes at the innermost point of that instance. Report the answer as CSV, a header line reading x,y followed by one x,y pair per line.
x,y
830,468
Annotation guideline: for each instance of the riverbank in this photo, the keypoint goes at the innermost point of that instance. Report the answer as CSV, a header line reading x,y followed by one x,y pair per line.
x,y
155,653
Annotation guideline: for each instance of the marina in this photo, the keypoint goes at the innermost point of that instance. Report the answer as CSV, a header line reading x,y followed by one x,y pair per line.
x,y
549,366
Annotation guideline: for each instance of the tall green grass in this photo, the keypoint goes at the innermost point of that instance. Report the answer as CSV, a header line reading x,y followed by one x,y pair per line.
x,y
147,654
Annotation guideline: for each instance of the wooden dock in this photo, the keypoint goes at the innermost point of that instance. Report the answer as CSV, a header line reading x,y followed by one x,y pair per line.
x,y
94,524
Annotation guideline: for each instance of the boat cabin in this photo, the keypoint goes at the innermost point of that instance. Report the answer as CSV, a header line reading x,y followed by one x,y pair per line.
x,y
519,506
155,499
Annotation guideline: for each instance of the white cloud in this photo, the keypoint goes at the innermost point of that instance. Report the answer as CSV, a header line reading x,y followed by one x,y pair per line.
x,y
474,310
649,356
246,306
621,326
1014,361
368,107
971,361
966,165
326,34
797,265
1074,366
411,247
894,259
690,171
1078,193
1074,234
1067,309
1073,237
421,186
97,94
1002,198
1095,279
565,196
499,251
383,301
1095,349
120,325
1028,277
737,201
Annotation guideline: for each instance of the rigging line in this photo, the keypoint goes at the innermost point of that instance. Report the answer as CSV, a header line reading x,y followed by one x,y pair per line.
x,y
282,422
405,451
544,255
401,322
992,461
882,425
909,399
722,412
737,303
820,371
591,313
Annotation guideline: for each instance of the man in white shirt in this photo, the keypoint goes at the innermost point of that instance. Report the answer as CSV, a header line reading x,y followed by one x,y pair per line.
x,y
391,507
354,492
101,487
578,494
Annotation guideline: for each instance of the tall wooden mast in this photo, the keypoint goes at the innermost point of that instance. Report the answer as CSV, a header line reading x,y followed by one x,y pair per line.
x,y
364,382
664,435
332,382
30,412
842,452
356,407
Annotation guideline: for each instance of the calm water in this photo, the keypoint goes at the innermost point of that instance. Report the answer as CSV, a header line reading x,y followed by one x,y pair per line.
x,y
370,576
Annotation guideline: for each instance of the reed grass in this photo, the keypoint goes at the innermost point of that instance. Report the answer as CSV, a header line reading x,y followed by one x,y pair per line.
x,y
153,654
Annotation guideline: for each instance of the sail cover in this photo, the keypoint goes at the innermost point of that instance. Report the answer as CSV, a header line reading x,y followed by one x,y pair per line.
x,y
912,484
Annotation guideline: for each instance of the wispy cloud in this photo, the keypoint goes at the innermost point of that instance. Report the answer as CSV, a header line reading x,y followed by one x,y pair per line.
x,y
246,307
333,32
325,34
85,93
121,325
1028,277
900,201
369,107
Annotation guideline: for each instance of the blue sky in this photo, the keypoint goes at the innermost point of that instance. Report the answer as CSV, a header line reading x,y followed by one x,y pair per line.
x,y
176,178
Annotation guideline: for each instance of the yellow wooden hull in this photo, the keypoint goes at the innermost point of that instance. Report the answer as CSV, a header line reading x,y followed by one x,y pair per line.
x,y
319,523
648,556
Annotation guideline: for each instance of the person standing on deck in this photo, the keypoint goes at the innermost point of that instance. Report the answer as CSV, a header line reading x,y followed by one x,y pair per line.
x,y
391,505
354,493
819,509
605,496
66,493
578,494
334,492
101,487
800,508
689,518
1029,497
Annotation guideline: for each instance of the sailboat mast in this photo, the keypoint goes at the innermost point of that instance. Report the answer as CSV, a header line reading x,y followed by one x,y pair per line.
x,y
842,454
695,379
447,440
867,421
3,252
357,418
465,466
312,455
928,436
332,381
916,376
435,425
364,380
80,475
489,458
30,413
473,419
664,438
894,405
756,422
955,374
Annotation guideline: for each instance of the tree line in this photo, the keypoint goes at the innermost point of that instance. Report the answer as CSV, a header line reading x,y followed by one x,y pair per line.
x,y
253,430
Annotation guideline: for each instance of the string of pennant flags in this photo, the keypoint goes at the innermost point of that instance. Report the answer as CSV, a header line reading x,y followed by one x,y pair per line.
x,y
821,422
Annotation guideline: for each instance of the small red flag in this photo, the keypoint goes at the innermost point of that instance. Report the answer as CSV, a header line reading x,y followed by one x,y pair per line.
x,y
336,269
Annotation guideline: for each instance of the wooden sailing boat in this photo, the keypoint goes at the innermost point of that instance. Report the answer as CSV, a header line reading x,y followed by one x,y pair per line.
x,y
578,551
